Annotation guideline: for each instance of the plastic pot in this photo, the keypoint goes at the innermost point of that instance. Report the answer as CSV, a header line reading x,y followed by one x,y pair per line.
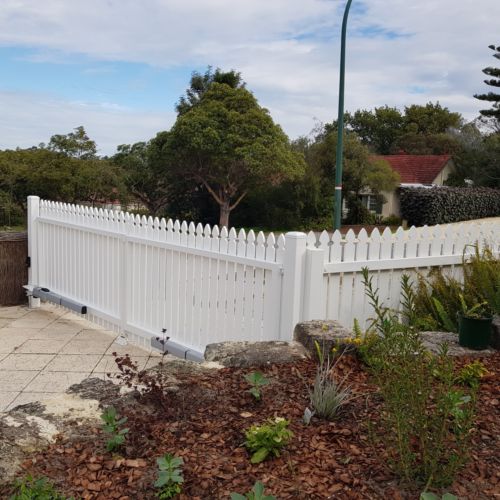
x,y
474,333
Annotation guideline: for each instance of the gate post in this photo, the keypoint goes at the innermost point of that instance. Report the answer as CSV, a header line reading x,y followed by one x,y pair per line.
x,y
33,213
314,296
293,283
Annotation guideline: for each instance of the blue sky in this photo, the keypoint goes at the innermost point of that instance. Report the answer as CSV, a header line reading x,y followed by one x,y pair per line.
x,y
117,67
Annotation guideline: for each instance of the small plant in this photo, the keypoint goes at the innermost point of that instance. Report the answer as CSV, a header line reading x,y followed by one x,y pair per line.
x,y
256,380
36,489
426,422
478,310
170,476
327,395
267,439
256,493
111,425
432,496
471,374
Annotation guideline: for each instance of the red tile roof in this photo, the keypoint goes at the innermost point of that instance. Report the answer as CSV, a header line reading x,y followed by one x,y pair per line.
x,y
416,169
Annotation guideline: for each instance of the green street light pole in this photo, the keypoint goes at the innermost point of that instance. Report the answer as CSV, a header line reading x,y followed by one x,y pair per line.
x,y
337,214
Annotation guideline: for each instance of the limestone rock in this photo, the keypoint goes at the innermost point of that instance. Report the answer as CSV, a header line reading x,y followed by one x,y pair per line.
x,y
432,341
246,354
328,334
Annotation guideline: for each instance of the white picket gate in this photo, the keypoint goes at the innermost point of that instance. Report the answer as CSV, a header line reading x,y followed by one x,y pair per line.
x,y
141,275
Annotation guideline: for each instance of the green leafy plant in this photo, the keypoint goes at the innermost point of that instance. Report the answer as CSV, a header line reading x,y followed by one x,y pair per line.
x,y
482,276
30,488
256,493
471,374
439,298
256,380
425,422
327,395
112,425
432,496
170,476
475,311
267,439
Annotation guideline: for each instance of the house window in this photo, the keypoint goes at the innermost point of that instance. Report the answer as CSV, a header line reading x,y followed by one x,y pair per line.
x,y
372,202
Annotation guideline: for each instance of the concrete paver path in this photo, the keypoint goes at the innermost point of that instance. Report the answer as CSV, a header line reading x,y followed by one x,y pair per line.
x,y
44,351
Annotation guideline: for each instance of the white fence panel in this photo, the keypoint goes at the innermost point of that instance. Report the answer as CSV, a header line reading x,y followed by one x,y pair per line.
x,y
143,276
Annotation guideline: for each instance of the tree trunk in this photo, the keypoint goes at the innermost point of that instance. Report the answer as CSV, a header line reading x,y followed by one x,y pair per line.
x,y
225,210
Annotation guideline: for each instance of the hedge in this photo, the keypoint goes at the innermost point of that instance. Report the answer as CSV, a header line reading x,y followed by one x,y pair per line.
x,y
440,205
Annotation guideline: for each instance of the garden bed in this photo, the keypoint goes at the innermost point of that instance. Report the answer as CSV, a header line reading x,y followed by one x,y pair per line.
x,y
205,423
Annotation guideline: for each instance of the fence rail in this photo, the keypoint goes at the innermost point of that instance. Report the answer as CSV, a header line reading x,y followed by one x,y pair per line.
x,y
202,284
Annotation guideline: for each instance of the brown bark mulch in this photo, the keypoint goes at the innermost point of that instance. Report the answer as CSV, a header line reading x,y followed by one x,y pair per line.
x,y
205,425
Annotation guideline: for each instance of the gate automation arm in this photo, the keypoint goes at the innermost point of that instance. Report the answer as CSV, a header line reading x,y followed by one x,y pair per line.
x,y
46,294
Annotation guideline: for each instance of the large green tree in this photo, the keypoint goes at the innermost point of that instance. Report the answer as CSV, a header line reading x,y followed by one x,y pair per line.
x,y
360,173
419,129
379,129
230,145
144,167
492,114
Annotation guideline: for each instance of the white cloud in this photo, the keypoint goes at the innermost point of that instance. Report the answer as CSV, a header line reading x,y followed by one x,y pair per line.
x,y
28,119
287,50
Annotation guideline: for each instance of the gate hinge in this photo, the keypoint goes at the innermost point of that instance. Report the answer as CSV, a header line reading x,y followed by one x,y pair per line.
x,y
28,261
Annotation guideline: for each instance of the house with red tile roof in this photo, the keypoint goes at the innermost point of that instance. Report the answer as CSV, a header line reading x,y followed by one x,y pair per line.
x,y
414,171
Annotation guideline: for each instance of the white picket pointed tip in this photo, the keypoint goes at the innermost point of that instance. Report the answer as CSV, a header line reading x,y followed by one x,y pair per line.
x,y
177,226
223,232
184,226
350,236
215,231
311,239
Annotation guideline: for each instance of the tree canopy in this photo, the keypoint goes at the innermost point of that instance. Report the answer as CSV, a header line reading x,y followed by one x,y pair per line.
x,y
230,145
492,114
200,83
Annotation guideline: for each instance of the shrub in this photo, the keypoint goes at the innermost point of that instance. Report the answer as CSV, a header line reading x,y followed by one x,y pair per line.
x,y
256,380
482,277
426,421
111,425
256,493
439,298
170,476
267,439
36,489
440,205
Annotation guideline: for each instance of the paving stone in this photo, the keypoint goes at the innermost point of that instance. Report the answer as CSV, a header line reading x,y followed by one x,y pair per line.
x,y
86,347
24,398
96,335
130,349
30,362
11,381
6,398
38,346
73,363
55,381
13,312
107,364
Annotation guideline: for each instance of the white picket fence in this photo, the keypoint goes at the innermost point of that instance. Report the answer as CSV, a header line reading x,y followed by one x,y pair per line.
x,y
141,275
